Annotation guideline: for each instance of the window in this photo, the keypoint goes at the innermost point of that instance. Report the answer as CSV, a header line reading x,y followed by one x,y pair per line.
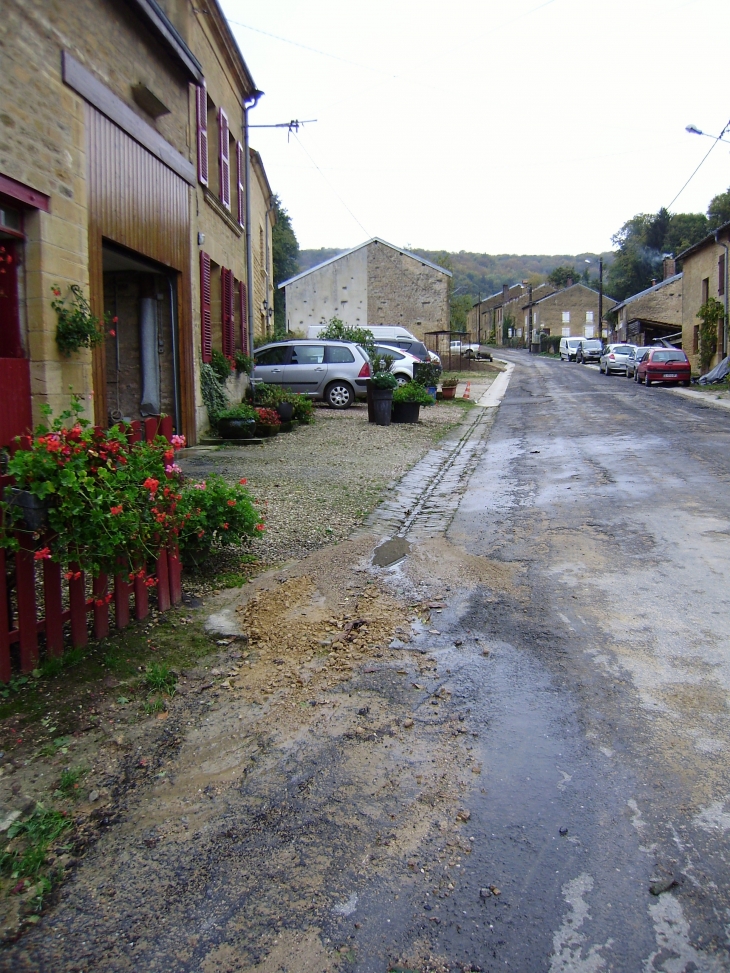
x,y
307,354
271,356
566,317
339,356
589,317
696,339
705,292
721,276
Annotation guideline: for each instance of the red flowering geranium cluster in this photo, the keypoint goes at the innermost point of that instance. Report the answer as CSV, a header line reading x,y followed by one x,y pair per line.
x,y
111,504
268,417
216,513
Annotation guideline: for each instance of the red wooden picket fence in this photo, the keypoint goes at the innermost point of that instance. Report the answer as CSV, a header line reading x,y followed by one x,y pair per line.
x,y
22,624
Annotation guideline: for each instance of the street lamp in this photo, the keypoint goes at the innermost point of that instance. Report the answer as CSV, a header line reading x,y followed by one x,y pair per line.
x,y
600,295
693,130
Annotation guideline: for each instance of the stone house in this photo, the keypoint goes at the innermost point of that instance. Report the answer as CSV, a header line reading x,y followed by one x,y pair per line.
x,y
263,218
375,283
705,275
570,311
503,315
652,313
123,172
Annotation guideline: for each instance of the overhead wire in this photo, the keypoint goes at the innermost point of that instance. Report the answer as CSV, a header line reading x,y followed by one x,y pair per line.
x,y
309,156
718,139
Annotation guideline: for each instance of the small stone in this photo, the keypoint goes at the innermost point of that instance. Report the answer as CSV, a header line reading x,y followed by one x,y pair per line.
x,y
463,815
93,796
433,631
563,831
494,890
485,651
408,723
485,893
663,885
458,642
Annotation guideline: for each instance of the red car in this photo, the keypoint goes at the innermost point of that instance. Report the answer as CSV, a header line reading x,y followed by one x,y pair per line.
x,y
664,365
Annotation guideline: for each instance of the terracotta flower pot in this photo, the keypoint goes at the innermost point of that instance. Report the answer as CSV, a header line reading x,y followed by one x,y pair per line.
x,y
448,391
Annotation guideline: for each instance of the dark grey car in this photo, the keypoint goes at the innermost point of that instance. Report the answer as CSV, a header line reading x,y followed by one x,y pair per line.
x,y
335,371
589,349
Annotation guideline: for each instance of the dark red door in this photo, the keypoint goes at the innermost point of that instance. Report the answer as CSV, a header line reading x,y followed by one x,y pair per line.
x,y
15,408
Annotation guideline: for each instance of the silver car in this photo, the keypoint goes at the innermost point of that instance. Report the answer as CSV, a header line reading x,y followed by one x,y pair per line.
x,y
335,371
633,361
614,358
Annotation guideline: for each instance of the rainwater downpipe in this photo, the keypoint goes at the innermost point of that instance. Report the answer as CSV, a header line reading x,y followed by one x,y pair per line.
x,y
725,322
175,363
248,104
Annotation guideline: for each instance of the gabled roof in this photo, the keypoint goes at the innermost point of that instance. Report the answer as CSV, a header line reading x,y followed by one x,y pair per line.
x,y
564,290
346,253
710,238
649,290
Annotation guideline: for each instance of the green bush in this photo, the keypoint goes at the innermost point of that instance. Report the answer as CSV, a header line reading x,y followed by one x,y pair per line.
x,y
243,361
412,392
383,380
268,396
241,411
221,365
215,514
303,407
213,392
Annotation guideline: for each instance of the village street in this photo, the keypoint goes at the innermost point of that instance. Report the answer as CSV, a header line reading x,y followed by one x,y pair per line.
x,y
502,786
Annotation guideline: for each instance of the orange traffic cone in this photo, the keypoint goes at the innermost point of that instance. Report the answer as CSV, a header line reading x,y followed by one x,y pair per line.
x,y
466,391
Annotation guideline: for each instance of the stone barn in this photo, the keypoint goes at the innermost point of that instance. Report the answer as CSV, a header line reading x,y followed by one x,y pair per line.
x,y
374,283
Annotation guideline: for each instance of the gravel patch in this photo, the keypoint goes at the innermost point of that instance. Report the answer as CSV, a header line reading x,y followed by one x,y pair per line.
x,y
319,482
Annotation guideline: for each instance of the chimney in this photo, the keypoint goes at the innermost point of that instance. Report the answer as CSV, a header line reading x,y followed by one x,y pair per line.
x,y
653,282
670,266
569,282
505,293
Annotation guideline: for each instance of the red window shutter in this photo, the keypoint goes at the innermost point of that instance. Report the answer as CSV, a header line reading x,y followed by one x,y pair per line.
x,y
206,336
243,316
721,275
224,157
239,176
201,117
227,311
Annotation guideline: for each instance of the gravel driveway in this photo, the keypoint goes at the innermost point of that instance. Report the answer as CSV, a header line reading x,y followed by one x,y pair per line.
x,y
318,482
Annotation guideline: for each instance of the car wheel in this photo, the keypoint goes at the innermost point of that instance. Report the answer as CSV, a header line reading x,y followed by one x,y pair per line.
x,y
686,383
402,379
647,380
339,395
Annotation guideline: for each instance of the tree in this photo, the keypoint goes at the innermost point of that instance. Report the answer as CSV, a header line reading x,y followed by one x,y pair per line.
x,y
718,212
460,307
710,315
559,276
286,261
641,244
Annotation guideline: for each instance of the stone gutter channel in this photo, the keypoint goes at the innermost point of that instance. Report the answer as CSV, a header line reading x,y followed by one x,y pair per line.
x,y
423,503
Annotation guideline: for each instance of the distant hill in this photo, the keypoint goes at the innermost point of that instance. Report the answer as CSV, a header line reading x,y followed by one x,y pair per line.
x,y
482,273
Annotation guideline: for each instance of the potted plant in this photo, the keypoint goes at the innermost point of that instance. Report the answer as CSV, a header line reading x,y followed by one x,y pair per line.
x,y
237,422
407,402
268,422
427,374
382,385
448,387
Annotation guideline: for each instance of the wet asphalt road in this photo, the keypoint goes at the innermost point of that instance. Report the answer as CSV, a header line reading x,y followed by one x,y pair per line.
x,y
603,709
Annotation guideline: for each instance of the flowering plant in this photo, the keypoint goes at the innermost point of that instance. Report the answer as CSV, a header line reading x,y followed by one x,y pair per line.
x,y
76,326
112,504
216,513
268,417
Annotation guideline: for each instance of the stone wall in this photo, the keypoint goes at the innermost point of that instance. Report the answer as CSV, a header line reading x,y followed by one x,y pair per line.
x,y
700,266
403,290
337,289
662,304
579,302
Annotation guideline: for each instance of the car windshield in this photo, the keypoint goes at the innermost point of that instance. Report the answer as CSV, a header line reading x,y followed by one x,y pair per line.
x,y
622,349
573,343
669,356
591,343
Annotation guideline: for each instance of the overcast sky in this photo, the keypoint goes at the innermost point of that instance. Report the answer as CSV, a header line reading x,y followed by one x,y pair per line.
x,y
500,126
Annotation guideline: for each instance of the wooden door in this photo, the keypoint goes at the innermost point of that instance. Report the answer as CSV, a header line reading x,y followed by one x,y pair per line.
x,y
15,404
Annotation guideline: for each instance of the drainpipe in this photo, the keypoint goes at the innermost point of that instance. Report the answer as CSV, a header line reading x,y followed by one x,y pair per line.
x,y
175,361
248,104
725,321
268,270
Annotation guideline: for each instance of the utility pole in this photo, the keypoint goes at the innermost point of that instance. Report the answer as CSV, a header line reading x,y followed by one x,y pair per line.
x,y
479,320
600,298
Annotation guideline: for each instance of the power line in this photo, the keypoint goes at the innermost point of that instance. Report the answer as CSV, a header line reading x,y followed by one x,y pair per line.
x,y
718,139
366,232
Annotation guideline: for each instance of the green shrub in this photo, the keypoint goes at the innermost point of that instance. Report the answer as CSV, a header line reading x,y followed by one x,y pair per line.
x,y
268,396
221,365
383,380
243,361
241,411
213,392
215,514
303,407
412,392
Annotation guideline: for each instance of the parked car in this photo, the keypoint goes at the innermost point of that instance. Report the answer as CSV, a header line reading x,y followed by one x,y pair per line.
x,y
569,348
391,335
614,358
664,365
467,349
589,349
402,366
634,358
335,371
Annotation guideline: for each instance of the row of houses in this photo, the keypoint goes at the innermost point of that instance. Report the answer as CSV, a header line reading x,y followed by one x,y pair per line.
x,y
666,310
126,172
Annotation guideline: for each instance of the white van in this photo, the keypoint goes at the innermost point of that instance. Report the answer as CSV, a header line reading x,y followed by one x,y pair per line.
x,y
387,334
569,348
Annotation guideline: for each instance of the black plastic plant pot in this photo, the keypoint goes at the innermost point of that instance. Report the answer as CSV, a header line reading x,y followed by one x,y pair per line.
x,y
382,406
406,411
34,510
286,411
237,428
